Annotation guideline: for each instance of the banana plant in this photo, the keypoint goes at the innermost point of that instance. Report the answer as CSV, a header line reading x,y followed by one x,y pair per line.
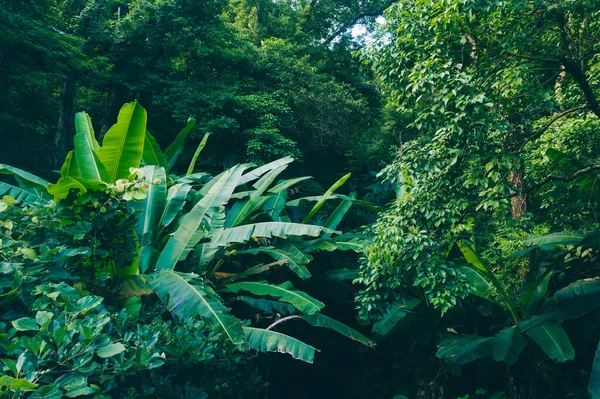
x,y
184,256
537,316
191,227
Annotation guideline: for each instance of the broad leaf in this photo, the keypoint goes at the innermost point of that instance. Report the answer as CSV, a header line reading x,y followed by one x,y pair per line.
x,y
258,172
244,233
296,261
464,349
554,341
19,194
272,341
110,350
123,143
284,292
88,163
508,345
320,320
190,230
573,301
269,306
186,300
396,313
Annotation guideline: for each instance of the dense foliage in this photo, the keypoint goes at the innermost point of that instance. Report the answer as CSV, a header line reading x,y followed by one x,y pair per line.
x,y
450,223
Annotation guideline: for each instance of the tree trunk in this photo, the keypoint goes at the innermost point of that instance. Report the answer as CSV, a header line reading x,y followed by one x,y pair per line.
x,y
65,119
518,200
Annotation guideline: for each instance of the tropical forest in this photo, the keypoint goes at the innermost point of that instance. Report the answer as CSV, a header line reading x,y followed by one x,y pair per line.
x,y
300,199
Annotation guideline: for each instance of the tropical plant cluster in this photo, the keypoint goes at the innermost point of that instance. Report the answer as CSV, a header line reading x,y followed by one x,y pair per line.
x,y
300,199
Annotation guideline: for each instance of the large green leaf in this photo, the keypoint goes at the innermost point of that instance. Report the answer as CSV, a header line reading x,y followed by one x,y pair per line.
x,y
320,320
573,301
174,149
508,345
258,172
151,209
272,341
479,283
83,125
338,214
123,144
550,240
244,233
296,261
464,349
396,313
329,191
88,163
242,209
69,167
594,385
267,305
284,292
554,341
186,300
175,199
152,154
19,194
25,179
190,230
284,185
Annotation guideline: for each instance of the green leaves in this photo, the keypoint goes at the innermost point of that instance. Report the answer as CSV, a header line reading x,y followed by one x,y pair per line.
x,y
465,349
397,312
111,350
554,341
284,292
508,345
244,233
123,144
186,300
272,341
25,324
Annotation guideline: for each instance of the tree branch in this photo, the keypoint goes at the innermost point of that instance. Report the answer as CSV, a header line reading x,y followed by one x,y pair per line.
x,y
579,173
355,20
541,131
580,78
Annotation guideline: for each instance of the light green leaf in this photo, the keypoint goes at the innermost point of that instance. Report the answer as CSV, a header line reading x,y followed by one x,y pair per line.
x,y
25,324
123,144
320,320
197,154
272,341
110,350
329,191
186,300
284,292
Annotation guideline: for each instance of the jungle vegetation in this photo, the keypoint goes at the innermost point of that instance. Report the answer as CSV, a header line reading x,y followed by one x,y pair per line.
x,y
300,199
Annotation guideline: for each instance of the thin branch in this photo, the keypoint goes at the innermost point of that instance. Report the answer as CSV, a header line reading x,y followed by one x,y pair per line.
x,y
579,173
541,131
283,320
355,20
